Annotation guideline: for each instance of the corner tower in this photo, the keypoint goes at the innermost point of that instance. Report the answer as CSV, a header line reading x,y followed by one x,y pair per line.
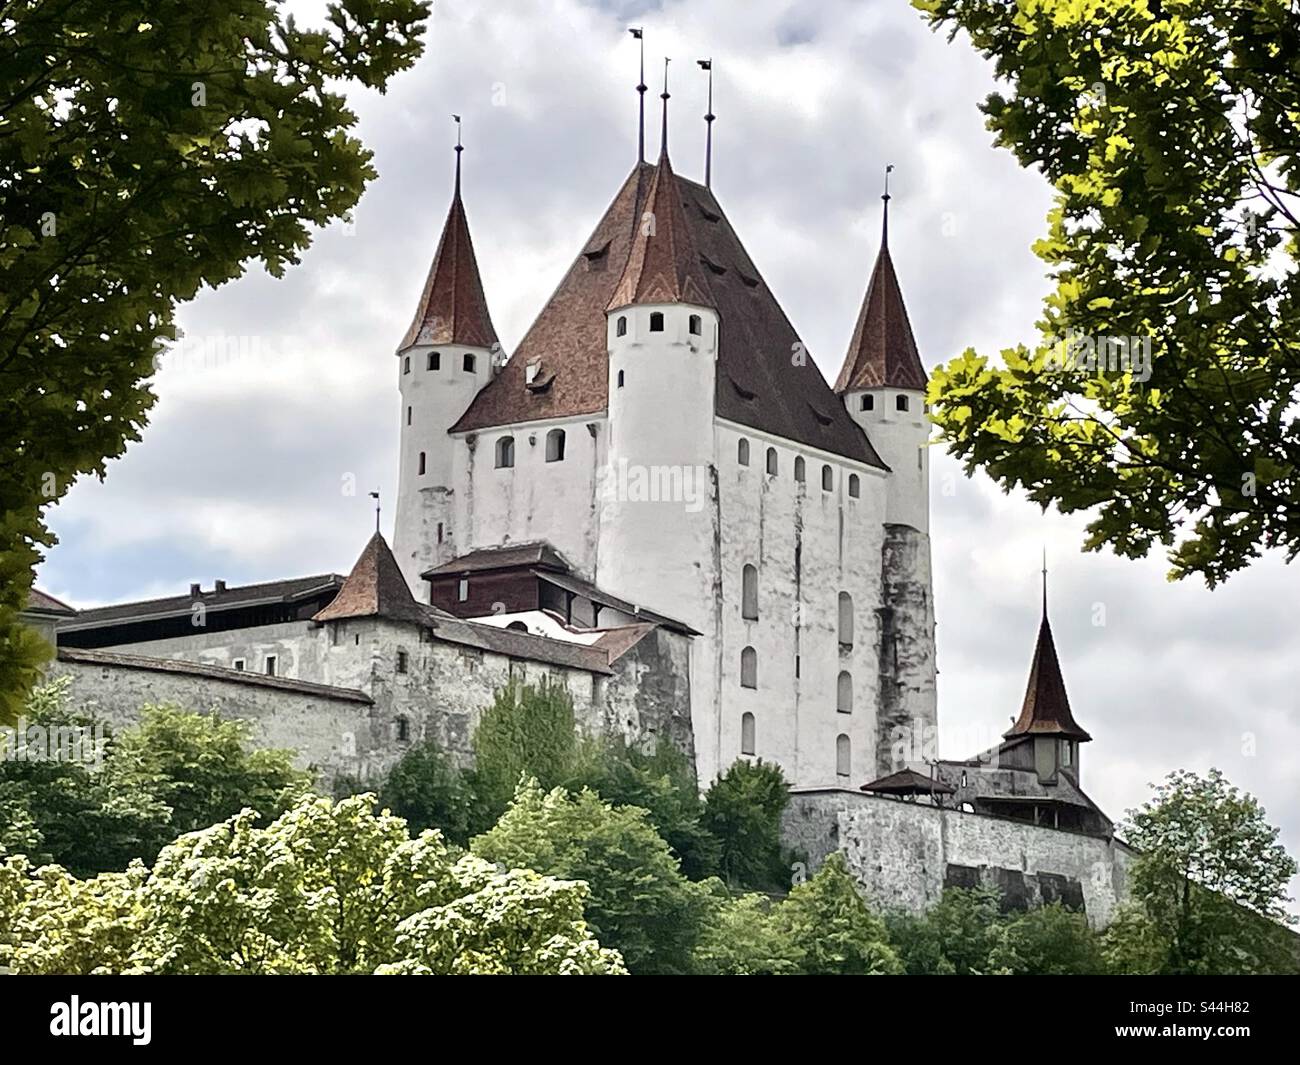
x,y
882,385
448,354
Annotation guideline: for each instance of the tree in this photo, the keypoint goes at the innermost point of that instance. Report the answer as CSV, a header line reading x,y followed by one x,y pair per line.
x,y
640,904
955,937
1211,877
742,937
328,888
1046,941
171,772
835,929
147,151
427,791
742,811
527,732
662,782
1171,135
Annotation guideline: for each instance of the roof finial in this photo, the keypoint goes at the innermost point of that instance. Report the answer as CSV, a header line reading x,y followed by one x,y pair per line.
x,y
707,64
884,229
1044,581
375,497
459,148
639,34
663,136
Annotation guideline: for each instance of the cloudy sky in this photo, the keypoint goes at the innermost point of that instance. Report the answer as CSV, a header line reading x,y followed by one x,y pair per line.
x,y
240,474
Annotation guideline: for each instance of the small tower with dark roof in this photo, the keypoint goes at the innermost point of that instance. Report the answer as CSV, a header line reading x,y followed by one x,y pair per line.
x,y
448,354
882,384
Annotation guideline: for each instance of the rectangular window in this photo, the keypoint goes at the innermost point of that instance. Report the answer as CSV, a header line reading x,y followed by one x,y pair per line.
x,y
435,360
406,365
270,665
401,661
469,363
238,664
462,590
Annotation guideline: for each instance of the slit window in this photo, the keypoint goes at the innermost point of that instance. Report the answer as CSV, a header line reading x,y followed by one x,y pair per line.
x,y
694,324
749,668
828,479
462,590
846,619
406,364
771,461
421,463
505,453
620,378
799,472
555,445
747,744
742,452
620,329
749,593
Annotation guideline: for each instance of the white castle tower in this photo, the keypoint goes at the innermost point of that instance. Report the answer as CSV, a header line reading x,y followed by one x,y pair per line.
x,y
883,386
448,354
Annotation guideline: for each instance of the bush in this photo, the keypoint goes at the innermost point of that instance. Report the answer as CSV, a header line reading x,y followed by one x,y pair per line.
x,y
742,811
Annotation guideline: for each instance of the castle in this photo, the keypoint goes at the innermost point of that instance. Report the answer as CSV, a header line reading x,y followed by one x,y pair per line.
x,y
657,502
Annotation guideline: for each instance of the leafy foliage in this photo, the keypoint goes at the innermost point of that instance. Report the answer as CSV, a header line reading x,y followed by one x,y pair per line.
x,y
835,929
428,791
742,811
1047,941
1171,135
742,937
171,772
1211,876
149,150
328,888
640,903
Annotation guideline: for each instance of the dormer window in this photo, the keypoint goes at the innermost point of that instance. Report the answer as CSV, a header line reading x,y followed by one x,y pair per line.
x,y
695,325
868,402
656,321
469,363
900,403
620,329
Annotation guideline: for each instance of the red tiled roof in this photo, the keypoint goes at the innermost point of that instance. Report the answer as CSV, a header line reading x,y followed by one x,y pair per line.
x,y
374,588
759,384
882,353
663,265
1046,710
453,308
531,553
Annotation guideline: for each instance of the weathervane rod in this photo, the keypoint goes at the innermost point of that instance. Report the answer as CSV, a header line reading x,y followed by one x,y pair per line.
x,y
459,149
375,497
1044,580
884,228
639,34
707,64
663,137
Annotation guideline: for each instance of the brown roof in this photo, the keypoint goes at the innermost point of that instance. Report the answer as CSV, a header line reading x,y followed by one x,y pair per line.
x,y
1046,710
758,384
663,265
569,583
908,782
453,308
202,669
534,553
516,644
39,602
268,592
374,588
617,642
882,353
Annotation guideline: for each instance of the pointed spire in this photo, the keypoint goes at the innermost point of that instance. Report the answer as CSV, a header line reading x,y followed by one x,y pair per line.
x,y
374,588
453,308
709,116
639,34
1046,709
664,96
662,265
882,353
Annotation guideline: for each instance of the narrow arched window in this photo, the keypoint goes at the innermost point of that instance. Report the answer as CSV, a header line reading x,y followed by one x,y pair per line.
x,y
855,486
828,479
621,328
742,452
749,593
620,378
747,744
656,321
555,445
694,324
749,668
799,469
505,452
846,620
771,461
406,364
844,693
421,463
843,755
900,402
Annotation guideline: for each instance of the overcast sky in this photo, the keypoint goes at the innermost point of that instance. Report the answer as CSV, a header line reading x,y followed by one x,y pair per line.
x,y
240,474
